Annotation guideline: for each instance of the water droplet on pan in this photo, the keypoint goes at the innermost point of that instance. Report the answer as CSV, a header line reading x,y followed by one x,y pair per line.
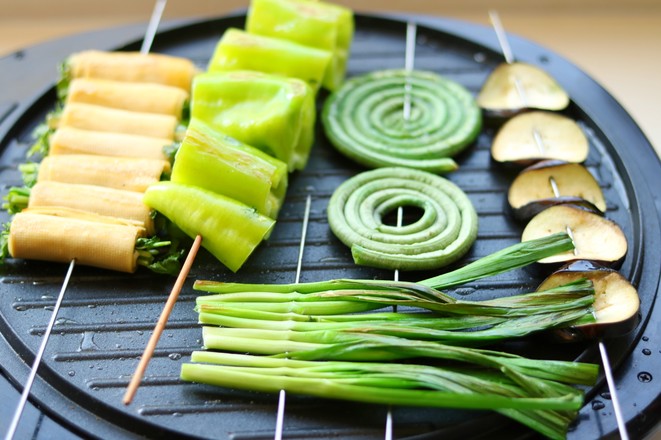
x,y
87,342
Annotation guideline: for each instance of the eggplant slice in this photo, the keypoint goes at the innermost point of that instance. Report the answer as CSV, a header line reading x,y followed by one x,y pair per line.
x,y
615,306
595,237
534,136
517,86
553,182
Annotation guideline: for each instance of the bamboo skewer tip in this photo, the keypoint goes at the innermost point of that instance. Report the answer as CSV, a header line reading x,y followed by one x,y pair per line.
x,y
160,325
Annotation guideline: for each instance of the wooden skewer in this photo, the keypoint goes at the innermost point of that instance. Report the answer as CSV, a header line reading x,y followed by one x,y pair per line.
x,y
147,354
162,320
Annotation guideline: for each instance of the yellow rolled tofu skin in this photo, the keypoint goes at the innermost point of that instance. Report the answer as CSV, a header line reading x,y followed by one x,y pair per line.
x,y
98,118
133,67
68,140
132,96
35,235
92,198
131,174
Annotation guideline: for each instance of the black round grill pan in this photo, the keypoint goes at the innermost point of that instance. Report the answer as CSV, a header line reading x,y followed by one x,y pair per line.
x,y
106,318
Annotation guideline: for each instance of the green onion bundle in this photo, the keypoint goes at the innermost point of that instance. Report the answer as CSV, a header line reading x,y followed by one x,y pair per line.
x,y
314,340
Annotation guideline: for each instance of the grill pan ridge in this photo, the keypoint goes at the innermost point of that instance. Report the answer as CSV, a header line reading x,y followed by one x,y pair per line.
x,y
106,318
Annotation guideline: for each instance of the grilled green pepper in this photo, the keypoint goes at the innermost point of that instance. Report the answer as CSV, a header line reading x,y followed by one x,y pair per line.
x,y
239,50
216,162
272,113
311,23
230,230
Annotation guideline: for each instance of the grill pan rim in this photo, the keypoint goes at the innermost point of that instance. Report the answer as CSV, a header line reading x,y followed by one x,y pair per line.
x,y
452,27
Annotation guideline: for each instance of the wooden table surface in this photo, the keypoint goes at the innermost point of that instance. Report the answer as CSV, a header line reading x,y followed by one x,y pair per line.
x,y
617,42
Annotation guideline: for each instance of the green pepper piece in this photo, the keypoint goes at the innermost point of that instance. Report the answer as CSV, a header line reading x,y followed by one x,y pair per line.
x,y
273,113
230,230
316,24
214,161
239,50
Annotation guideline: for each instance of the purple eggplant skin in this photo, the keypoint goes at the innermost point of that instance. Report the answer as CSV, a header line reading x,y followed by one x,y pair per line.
x,y
529,210
616,302
495,118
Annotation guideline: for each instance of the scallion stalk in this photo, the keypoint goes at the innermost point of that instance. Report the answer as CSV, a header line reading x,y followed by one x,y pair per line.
x,y
542,404
319,343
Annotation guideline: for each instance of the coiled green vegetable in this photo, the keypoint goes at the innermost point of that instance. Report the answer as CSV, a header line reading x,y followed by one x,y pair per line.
x,y
445,231
364,120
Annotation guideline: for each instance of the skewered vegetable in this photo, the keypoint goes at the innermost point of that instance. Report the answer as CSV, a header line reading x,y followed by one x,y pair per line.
x,y
364,120
98,118
444,232
239,50
456,322
92,198
496,383
316,24
534,189
219,163
387,336
132,174
349,296
616,301
129,66
61,234
269,112
132,96
94,240
231,230
533,136
595,237
513,87
68,140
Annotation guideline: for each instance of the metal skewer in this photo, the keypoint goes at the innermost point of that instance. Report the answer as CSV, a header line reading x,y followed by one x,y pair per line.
x,y
146,46
40,353
155,19
280,415
507,53
389,421
409,58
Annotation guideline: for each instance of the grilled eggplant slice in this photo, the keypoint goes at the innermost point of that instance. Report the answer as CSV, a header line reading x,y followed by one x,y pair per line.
x,y
553,182
533,136
595,237
514,87
616,302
